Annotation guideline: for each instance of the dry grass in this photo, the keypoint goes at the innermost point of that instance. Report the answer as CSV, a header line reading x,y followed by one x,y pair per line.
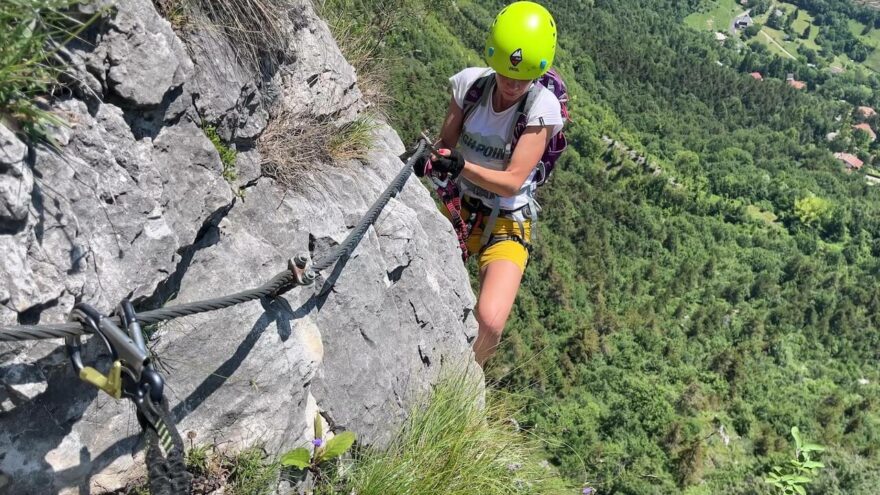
x,y
32,59
457,441
175,11
361,28
361,49
293,146
257,29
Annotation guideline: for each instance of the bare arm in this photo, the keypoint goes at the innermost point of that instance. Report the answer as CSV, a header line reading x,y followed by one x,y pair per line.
x,y
509,181
451,129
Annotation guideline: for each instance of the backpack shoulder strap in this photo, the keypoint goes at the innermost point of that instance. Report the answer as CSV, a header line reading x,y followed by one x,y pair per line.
x,y
477,93
522,114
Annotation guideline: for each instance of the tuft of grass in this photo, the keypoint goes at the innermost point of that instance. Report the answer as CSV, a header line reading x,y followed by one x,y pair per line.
x,y
256,29
138,489
249,472
292,147
352,140
33,34
252,473
227,154
361,29
198,459
175,11
456,442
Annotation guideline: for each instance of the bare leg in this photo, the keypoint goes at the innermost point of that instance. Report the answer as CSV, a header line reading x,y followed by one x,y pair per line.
x,y
499,284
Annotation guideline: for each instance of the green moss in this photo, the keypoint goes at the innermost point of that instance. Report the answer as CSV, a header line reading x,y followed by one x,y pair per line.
x,y
227,154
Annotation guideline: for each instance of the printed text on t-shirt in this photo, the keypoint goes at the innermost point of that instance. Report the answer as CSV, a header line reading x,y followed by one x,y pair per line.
x,y
487,151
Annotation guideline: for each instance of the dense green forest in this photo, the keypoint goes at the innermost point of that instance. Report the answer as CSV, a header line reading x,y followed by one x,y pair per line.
x,y
677,318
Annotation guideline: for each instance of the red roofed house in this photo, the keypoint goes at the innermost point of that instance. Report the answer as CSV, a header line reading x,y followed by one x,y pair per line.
x,y
757,76
866,112
867,128
794,83
852,162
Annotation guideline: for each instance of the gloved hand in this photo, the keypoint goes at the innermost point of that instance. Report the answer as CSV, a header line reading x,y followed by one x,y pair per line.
x,y
423,167
449,161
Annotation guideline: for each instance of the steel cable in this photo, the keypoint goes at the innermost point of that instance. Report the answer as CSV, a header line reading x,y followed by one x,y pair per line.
x,y
279,284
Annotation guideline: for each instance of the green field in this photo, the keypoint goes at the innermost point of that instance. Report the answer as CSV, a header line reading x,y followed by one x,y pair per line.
x,y
870,39
791,46
800,24
781,47
717,19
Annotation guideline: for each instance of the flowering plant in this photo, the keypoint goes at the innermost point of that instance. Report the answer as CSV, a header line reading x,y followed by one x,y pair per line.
x,y
324,450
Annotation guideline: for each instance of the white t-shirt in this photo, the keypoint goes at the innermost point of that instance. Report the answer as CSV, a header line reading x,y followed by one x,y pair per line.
x,y
486,134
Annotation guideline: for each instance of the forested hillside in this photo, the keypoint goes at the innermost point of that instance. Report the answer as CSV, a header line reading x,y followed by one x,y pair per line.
x,y
678,317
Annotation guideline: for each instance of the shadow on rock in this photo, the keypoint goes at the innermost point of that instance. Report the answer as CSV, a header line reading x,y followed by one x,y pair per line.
x,y
277,311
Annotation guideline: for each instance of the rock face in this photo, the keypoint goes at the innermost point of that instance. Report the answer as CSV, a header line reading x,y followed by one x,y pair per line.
x,y
134,203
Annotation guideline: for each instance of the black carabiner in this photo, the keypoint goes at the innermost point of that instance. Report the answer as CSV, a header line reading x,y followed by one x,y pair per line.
x,y
150,383
126,354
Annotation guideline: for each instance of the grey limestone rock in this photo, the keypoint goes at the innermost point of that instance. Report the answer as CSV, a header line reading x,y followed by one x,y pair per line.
x,y
134,204
146,59
16,180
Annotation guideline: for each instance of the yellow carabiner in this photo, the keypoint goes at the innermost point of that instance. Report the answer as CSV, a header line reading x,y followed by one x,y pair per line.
x,y
112,383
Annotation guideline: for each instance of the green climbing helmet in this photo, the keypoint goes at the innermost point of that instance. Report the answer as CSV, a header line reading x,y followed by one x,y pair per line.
x,y
522,41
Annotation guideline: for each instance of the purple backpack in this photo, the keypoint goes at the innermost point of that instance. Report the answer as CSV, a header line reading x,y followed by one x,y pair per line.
x,y
551,80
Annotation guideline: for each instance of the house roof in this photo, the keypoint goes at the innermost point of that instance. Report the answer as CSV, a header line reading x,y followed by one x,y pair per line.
x,y
866,112
757,76
850,160
867,128
797,84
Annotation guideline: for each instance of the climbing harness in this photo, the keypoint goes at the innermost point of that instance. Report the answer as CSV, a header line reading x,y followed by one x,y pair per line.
x,y
466,212
133,376
451,194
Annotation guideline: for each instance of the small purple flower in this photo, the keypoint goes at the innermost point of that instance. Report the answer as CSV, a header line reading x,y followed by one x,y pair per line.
x,y
317,442
587,491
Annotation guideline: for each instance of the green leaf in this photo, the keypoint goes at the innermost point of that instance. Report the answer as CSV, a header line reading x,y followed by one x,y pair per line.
x,y
337,445
800,490
319,428
812,447
796,433
298,458
800,479
814,465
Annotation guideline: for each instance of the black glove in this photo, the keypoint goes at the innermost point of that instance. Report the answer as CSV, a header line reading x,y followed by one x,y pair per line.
x,y
450,162
422,167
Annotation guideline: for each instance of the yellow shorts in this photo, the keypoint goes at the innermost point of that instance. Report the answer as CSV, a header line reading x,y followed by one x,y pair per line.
x,y
507,249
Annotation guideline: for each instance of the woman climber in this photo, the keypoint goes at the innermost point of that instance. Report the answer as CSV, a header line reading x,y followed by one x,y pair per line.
x,y
500,131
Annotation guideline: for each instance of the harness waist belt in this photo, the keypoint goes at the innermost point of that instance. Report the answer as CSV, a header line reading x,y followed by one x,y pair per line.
x,y
475,205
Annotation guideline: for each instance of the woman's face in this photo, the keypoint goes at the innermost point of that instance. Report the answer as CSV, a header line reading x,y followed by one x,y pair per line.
x,y
511,89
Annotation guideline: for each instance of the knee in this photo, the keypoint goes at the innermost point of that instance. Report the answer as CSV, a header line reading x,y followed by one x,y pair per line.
x,y
491,319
